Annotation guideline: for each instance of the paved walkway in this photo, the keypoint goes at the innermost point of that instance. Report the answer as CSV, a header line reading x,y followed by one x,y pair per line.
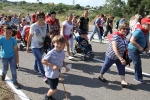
x,y
81,82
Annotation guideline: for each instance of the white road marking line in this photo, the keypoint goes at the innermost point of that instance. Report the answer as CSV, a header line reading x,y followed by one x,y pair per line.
x,y
17,91
125,67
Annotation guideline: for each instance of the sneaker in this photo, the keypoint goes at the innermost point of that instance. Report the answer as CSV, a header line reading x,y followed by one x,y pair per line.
x,y
45,80
101,42
37,71
16,84
52,98
2,77
71,53
89,41
49,98
46,97
103,37
70,57
140,81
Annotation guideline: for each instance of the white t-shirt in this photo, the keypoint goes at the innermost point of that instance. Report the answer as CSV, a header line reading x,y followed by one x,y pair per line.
x,y
39,33
28,19
68,28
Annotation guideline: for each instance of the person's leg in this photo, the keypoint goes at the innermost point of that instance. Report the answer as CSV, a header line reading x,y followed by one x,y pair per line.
x,y
67,46
110,30
101,30
4,67
71,43
106,32
107,64
94,31
90,47
121,71
99,36
53,83
38,52
136,59
12,62
35,65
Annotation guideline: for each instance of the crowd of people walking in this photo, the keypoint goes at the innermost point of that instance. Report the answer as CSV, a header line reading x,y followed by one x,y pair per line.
x,y
43,25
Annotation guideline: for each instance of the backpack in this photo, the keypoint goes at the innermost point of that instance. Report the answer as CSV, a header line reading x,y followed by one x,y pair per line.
x,y
27,30
47,41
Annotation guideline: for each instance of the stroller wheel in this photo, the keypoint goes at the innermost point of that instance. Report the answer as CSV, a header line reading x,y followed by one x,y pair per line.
x,y
83,58
92,56
21,47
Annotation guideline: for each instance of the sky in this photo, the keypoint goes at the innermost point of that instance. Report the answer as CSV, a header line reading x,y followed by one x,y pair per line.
x,y
92,3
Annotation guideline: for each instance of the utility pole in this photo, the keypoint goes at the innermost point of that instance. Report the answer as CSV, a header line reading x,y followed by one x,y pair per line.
x,y
73,2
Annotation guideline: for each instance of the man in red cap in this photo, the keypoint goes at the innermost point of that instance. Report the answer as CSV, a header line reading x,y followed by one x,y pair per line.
x,y
139,42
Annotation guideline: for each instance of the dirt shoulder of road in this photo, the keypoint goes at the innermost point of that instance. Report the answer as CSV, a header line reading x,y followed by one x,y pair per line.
x,y
5,92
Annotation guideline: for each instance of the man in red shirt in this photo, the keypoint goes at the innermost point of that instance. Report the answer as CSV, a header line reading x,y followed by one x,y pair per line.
x,y
34,17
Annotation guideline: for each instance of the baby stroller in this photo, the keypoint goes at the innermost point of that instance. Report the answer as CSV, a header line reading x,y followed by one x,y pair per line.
x,y
85,51
24,39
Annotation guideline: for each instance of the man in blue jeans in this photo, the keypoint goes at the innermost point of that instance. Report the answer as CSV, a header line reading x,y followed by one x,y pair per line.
x,y
139,42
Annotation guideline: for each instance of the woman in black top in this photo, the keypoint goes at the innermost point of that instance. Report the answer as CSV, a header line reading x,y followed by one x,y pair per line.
x,y
83,23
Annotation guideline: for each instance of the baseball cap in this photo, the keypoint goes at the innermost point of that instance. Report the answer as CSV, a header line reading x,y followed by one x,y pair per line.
x,y
145,20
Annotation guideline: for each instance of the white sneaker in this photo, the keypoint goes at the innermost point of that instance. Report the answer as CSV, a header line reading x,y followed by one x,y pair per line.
x,y
70,57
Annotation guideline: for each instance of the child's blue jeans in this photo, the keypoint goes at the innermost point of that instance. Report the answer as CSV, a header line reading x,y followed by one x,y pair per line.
x,y
5,65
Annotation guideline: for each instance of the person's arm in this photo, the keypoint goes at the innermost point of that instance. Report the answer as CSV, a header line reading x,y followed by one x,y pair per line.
x,y
45,62
59,27
115,49
133,41
29,42
63,30
64,65
78,23
16,54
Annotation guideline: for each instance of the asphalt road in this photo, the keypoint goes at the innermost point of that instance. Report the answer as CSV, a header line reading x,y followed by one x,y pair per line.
x,y
82,82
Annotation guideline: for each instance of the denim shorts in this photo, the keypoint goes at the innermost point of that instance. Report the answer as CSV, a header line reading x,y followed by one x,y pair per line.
x,y
53,83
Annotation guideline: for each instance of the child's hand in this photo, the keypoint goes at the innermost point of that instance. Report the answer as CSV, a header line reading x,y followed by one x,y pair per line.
x,y
55,67
67,69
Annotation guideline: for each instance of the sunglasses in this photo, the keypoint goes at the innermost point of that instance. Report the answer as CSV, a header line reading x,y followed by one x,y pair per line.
x,y
41,16
125,29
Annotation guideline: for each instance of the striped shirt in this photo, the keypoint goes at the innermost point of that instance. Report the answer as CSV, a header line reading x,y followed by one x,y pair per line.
x,y
121,46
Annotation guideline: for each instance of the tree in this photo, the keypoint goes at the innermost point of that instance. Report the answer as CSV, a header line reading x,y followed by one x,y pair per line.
x,y
141,7
114,7
77,6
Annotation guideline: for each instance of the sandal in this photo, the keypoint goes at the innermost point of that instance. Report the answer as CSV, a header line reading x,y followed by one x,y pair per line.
x,y
103,80
125,85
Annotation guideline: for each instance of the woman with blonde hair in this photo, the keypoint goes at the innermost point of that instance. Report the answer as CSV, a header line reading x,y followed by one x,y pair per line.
x,y
68,34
